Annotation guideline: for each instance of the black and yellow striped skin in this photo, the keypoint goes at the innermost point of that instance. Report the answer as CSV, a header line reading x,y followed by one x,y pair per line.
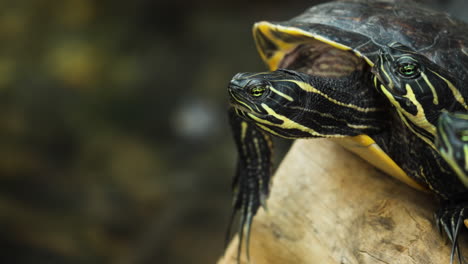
x,y
420,91
282,45
321,59
366,29
418,95
291,105
452,142
251,181
296,105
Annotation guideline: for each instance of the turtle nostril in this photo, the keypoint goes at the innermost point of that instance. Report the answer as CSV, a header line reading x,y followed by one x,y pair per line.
x,y
240,80
235,84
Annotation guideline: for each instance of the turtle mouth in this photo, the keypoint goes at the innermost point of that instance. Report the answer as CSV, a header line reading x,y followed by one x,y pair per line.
x,y
321,59
245,112
241,104
241,109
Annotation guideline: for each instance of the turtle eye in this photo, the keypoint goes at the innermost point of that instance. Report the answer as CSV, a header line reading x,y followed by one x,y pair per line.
x,y
408,69
257,91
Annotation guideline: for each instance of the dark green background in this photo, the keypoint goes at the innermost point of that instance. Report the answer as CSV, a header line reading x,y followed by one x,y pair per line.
x,y
115,146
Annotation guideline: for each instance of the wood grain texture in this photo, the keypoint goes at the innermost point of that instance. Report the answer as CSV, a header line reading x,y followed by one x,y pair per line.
x,y
329,206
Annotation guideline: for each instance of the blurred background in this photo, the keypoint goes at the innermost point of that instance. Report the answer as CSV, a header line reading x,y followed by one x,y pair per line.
x,y
115,146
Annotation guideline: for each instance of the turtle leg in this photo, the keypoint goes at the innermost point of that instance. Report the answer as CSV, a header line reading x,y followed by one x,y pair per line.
x,y
251,181
450,218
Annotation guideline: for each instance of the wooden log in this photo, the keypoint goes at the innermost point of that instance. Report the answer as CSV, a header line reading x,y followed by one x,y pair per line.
x,y
329,206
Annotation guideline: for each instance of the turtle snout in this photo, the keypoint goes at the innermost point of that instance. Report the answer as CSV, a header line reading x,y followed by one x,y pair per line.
x,y
235,85
238,82
235,89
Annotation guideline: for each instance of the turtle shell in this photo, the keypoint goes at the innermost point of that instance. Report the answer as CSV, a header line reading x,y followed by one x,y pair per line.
x,y
367,27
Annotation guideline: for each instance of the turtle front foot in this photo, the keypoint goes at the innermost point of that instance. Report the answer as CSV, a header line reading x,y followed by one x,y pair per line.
x,y
251,181
451,218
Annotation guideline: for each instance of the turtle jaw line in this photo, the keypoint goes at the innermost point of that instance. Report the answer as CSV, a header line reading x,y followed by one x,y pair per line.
x,y
244,111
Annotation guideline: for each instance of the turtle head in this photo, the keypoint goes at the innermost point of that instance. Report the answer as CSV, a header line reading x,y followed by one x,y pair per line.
x,y
409,78
452,142
252,94
291,104
417,87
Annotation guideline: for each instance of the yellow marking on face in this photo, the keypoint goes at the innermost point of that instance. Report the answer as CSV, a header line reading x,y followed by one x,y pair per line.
x,y
390,82
375,81
403,115
309,88
287,97
242,102
286,47
288,123
434,93
456,93
244,126
389,96
405,120
420,119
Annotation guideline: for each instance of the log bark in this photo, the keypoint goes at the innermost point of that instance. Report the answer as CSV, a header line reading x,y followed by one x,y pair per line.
x,y
329,206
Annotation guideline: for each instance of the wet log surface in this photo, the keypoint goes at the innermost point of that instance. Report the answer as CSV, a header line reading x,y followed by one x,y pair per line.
x,y
329,206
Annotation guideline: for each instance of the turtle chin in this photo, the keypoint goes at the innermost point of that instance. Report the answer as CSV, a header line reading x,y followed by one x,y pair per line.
x,y
247,114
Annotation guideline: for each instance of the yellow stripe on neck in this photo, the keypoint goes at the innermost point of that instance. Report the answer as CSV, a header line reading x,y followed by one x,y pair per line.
x,y
287,97
309,88
456,93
